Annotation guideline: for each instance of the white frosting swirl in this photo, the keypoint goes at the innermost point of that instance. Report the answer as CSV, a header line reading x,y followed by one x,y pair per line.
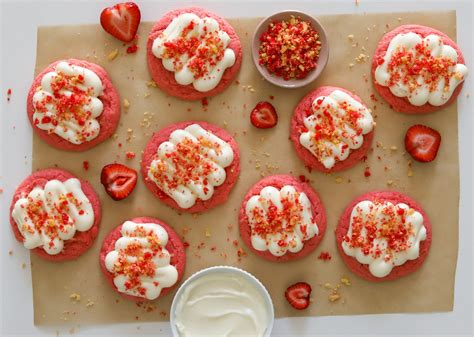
x,y
204,59
67,104
224,304
140,261
280,220
397,231
190,165
51,215
336,126
417,90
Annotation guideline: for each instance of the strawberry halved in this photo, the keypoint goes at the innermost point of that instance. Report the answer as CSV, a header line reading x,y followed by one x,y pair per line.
x,y
422,142
121,20
298,295
118,180
264,116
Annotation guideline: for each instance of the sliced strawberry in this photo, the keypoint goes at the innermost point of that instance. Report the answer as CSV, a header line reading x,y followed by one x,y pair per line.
x,y
121,20
298,295
422,142
118,180
264,116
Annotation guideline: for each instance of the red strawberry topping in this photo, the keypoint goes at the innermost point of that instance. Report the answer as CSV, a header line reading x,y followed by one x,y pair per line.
x,y
264,116
298,295
422,142
118,180
121,21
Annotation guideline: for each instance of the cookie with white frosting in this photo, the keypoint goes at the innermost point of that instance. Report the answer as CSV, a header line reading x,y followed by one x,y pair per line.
x,y
193,53
282,218
72,105
142,259
55,214
418,69
383,235
331,129
191,166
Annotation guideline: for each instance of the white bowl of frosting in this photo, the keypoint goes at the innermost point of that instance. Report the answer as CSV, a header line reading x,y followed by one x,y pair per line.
x,y
222,301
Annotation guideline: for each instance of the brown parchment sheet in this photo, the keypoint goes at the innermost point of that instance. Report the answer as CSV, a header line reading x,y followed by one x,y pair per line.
x,y
263,152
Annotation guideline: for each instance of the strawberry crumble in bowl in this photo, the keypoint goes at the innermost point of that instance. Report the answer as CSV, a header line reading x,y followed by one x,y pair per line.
x,y
290,49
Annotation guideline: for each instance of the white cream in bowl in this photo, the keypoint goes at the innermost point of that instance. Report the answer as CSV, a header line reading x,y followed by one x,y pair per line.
x,y
222,301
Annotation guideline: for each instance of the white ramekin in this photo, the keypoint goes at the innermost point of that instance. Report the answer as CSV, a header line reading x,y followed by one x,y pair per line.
x,y
223,269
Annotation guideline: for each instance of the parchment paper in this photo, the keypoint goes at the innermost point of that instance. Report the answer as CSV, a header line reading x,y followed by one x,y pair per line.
x,y
434,185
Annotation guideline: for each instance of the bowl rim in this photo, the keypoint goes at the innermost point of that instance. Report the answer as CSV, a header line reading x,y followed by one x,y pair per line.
x,y
227,269
290,84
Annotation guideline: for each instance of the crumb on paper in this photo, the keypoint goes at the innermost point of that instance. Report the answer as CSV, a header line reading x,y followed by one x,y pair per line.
x,y
126,103
112,55
208,233
339,180
89,303
389,182
75,297
333,297
410,170
393,148
350,37
151,84
345,280
362,58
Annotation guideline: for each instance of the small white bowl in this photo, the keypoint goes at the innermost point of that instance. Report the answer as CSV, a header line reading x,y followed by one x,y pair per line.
x,y
223,269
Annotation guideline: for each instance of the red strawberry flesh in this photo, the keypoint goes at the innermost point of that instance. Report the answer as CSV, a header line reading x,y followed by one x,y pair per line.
x,y
298,295
422,142
119,180
121,20
264,115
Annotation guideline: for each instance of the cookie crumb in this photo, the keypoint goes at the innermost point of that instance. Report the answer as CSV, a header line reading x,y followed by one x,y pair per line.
x,y
126,103
345,281
112,55
362,58
151,84
338,180
75,297
89,303
410,171
334,297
